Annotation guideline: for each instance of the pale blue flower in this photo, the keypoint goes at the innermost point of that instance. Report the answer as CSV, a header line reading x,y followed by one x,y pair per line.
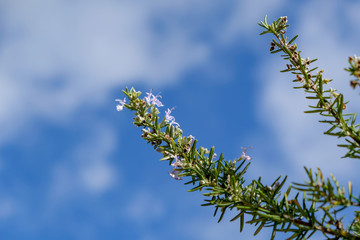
x,y
177,163
244,156
120,106
175,174
151,99
170,119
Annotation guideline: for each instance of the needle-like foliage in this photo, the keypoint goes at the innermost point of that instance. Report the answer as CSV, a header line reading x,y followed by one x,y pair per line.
x,y
328,102
316,205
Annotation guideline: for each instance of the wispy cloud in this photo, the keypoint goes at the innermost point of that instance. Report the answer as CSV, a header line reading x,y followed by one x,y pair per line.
x,y
8,208
244,16
88,170
144,206
56,56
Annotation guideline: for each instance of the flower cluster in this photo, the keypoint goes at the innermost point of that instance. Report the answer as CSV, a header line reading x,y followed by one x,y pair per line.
x,y
179,153
150,120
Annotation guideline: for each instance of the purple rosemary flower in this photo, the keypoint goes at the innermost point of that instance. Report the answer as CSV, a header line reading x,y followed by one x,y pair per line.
x,y
170,119
151,99
177,162
120,106
175,174
244,156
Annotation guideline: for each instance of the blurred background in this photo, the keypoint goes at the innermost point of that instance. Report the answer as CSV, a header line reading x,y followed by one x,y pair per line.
x,y
72,167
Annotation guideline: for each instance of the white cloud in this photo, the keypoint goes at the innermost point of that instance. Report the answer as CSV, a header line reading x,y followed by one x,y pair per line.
x,y
7,209
97,177
244,16
88,171
144,206
56,56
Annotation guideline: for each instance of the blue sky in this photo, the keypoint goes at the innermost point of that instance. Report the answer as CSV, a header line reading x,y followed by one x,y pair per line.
x,y
72,167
